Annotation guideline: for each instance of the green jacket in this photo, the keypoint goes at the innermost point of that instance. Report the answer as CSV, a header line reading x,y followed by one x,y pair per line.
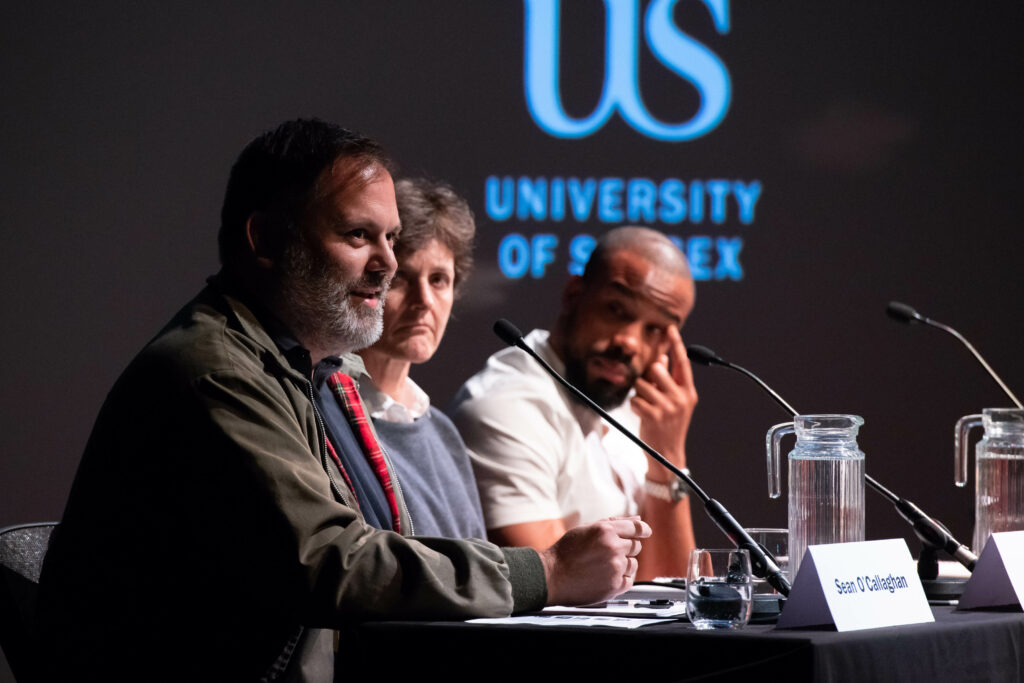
x,y
208,534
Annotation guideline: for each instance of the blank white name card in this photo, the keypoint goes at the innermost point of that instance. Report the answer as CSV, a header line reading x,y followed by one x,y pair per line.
x,y
856,586
998,578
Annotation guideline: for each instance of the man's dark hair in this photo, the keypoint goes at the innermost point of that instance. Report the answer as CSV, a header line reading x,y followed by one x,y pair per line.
x,y
432,210
277,174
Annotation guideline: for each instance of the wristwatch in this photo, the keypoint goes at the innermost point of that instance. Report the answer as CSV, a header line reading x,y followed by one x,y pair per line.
x,y
672,492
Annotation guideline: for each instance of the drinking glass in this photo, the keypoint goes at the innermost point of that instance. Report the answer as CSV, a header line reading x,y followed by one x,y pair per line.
x,y
775,541
718,587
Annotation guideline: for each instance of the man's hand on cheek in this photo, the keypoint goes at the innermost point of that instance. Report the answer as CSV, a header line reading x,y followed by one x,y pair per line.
x,y
665,400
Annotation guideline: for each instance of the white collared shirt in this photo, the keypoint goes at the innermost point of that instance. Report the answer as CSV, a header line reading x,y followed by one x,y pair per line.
x,y
382,406
537,453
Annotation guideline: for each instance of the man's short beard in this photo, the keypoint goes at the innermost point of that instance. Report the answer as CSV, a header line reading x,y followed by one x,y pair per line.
x,y
319,307
600,391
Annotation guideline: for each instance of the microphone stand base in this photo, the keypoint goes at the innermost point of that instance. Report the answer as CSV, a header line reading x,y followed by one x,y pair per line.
x,y
943,590
766,608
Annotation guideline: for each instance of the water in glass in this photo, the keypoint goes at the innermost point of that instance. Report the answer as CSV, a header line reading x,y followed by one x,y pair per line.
x,y
718,588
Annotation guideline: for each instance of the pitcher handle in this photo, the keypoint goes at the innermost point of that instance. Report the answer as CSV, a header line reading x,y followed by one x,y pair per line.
x,y
772,440
963,425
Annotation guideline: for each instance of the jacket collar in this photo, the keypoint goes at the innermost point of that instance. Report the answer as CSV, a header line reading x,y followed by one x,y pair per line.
x,y
254,320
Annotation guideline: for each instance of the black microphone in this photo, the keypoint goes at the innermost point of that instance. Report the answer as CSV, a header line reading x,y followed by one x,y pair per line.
x,y
903,313
705,356
906,314
931,532
509,333
762,563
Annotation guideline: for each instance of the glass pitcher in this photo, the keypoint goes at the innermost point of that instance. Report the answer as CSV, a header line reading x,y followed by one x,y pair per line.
x,y
998,471
826,481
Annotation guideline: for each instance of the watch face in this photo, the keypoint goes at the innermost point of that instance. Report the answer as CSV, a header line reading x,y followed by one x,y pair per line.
x,y
680,490
672,492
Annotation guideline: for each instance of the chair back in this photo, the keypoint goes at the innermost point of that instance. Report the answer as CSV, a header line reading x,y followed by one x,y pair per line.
x,y
22,549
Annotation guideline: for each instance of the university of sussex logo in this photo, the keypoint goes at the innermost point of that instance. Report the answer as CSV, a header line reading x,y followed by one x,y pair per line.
x,y
680,53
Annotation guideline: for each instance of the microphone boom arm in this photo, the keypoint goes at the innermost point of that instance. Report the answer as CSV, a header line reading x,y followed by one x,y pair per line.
x,y
931,532
762,563
984,364
906,314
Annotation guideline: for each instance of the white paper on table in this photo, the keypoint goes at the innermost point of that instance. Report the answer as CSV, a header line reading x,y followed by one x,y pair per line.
x,y
573,620
631,609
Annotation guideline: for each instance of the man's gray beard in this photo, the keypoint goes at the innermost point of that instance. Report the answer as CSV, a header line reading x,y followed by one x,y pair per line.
x,y
319,309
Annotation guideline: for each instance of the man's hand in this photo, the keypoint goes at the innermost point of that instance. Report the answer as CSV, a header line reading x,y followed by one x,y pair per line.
x,y
665,401
594,562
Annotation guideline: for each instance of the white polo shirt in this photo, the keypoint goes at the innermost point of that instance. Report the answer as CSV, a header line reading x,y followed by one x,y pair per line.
x,y
537,453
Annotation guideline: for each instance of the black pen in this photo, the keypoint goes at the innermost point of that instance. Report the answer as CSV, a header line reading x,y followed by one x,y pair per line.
x,y
647,604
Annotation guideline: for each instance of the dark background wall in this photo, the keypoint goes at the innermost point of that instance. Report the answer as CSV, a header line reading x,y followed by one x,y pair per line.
x,y
885,136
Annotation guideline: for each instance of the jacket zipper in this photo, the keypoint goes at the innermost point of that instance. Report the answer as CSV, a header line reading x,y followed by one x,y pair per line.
x,y
322,431
398,485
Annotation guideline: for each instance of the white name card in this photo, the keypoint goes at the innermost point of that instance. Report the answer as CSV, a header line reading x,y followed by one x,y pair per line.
x,y
998,578
856,586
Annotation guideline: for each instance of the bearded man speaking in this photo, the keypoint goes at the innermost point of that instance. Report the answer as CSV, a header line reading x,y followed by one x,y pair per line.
x,y
233,506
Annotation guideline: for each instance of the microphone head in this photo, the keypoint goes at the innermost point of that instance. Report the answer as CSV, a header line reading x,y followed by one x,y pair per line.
x,y
903,313
507,332
702,354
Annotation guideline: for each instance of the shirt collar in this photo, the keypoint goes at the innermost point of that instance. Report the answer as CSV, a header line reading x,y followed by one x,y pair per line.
x,y
301,361
588,420
382,406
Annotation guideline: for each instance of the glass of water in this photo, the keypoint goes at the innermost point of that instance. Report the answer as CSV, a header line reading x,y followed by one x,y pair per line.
x,y
718,587
775,541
